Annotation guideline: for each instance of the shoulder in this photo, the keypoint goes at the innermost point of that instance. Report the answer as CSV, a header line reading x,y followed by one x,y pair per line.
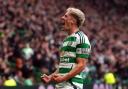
x,y
82,37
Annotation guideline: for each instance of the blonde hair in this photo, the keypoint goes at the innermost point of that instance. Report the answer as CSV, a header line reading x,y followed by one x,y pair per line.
x,y
77,14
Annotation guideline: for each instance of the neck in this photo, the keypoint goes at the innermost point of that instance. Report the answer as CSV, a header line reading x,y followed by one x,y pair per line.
x,y
73,30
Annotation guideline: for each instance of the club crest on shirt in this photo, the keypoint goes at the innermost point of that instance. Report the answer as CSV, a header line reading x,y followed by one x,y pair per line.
x,y
69,43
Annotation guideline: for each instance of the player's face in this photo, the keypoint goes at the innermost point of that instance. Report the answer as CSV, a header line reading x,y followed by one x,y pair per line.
x,y
66,21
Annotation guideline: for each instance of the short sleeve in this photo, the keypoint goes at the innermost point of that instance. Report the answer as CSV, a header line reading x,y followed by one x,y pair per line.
x,y
83,50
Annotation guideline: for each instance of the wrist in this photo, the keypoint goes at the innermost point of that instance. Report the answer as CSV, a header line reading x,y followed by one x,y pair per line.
x,y
67,77
51,76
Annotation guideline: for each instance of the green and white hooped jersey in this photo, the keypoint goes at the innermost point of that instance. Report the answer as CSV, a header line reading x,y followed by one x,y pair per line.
x,y
74,46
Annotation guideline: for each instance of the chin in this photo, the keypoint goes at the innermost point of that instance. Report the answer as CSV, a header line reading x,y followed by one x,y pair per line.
x,y
65,28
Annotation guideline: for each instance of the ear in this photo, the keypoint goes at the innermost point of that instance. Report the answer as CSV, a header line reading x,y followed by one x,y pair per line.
x,y
73,21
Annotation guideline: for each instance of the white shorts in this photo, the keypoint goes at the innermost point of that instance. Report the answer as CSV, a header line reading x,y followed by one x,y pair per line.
x,y
68,85
64,85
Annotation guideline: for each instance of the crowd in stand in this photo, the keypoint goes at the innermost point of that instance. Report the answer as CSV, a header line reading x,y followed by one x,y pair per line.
x,y
30,36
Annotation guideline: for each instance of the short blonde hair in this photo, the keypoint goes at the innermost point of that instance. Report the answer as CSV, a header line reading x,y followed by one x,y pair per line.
x,y
77,14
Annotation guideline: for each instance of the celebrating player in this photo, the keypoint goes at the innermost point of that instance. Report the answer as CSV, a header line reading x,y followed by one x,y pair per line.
x,y
74,53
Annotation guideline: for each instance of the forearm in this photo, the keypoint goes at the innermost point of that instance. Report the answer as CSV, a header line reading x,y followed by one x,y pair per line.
x,y
74,71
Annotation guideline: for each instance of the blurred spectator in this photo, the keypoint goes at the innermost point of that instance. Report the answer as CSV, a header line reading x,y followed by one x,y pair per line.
x,y
109,78
27,52
9,81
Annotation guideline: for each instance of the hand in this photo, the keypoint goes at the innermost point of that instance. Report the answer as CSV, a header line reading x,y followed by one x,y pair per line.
x,y
45,78
58,78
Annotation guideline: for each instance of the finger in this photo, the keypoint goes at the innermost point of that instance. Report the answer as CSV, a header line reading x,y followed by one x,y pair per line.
x,y
54,78
56,75
44,75
45,80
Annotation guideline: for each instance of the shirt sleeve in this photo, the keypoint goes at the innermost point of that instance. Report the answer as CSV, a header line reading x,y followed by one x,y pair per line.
x,y
83,50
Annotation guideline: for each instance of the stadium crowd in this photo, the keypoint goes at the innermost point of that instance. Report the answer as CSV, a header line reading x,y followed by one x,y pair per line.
x,y
30,36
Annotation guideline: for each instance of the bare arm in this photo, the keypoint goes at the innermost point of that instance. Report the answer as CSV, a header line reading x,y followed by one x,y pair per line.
x,y
81,62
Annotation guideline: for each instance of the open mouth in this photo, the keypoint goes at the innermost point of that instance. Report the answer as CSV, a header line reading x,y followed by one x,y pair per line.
x,y
62,23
